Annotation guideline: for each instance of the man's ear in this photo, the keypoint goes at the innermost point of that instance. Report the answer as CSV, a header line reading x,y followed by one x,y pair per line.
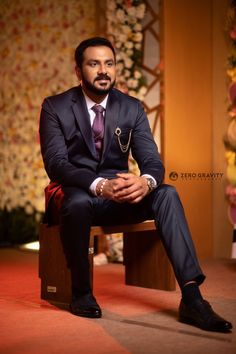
x,y
78,73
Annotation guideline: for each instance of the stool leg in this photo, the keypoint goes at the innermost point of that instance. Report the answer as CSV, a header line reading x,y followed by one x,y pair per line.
x,y
146,262
53,271
91,255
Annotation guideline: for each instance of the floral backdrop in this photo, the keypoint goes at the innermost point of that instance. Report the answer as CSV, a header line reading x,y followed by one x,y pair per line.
x,y
230,138
37,41
124,29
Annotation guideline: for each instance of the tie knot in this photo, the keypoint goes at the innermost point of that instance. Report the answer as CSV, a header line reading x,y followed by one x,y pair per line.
x,y
97,108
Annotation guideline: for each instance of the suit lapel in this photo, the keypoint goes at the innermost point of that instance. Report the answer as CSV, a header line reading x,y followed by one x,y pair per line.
x,y
82,117
111,119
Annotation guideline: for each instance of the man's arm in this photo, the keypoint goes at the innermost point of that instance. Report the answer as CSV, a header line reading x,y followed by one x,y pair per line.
x,y
55,154
144,148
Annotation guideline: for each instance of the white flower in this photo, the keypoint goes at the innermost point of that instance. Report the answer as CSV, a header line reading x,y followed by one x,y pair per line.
x,y
138,27
111,5
118,57
122,37
118,44
120,14
129,52
131,11
132,83
132,93
127,73
137,37
126,29
140,96
40,204
29,209
8,206
143,90
120,66
138,46
128,63
140,11
137,74
129,44
123,55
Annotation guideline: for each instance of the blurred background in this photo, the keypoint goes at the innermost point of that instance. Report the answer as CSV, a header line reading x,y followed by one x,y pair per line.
x,y
177,57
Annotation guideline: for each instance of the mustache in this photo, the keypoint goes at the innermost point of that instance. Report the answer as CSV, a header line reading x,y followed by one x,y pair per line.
x,y
102,77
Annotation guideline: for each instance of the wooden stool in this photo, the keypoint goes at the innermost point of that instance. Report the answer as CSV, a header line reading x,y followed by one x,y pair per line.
x,y
145,260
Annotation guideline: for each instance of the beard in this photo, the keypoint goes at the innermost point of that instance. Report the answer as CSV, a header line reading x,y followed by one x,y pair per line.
x,y
95,90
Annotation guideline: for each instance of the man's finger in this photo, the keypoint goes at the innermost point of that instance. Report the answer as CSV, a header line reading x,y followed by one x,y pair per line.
x,y
125,175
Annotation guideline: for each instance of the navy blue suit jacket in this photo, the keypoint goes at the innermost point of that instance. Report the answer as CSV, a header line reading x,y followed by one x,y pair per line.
x,y
67,145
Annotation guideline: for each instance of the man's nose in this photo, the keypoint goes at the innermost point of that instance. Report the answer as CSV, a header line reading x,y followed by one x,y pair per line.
x,y
102,69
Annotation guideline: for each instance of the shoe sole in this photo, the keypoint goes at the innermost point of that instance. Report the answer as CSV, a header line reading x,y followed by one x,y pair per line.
x,y
87,316
191,322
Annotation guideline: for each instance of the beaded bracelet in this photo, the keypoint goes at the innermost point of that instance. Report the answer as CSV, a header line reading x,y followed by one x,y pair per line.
x,y
102,186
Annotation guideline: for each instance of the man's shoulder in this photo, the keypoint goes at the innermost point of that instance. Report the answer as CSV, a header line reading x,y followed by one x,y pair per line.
x,y
62,96
124,97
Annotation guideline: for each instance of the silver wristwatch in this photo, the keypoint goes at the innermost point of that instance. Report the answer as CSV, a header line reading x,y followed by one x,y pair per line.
x,y
151,184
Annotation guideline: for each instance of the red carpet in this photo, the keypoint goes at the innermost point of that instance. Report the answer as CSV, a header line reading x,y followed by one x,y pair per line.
x,y
135,320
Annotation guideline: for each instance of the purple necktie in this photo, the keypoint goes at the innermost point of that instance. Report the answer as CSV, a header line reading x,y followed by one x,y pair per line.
x,y
98,127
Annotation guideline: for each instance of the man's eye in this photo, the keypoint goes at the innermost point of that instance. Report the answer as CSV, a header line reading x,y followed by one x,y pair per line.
x,y
110,64
93,64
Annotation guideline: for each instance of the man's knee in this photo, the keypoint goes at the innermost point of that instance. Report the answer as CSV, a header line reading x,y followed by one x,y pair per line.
x,y
76,204
165,195
168,190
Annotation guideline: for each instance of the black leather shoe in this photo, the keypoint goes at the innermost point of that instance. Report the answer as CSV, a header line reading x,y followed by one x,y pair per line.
x,y
85,306
201,314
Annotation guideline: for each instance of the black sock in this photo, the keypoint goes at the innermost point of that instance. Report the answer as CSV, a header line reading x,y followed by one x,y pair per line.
x,y
191,293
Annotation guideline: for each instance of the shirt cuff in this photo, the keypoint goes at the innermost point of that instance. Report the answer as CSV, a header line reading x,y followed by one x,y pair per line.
x,y
93,186
149,176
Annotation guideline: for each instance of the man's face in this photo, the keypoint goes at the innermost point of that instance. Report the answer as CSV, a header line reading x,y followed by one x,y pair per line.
x,y
98,71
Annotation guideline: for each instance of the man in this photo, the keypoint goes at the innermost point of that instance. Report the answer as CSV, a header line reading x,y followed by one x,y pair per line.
x,y
86,136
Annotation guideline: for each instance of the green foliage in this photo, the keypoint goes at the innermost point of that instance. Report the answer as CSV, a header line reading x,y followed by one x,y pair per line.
x,y
17,227
232,61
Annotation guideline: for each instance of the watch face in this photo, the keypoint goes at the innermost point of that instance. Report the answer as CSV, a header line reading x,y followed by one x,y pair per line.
x,y
151,184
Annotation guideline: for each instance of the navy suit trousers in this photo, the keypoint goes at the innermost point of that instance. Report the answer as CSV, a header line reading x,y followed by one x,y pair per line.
x,y
80,210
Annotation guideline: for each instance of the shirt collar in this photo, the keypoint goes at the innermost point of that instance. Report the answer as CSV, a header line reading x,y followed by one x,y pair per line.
x,y
90,103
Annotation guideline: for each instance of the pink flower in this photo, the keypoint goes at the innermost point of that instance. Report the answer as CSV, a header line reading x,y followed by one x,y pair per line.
x,y
232,92
231,194
233,33
128,3
232,112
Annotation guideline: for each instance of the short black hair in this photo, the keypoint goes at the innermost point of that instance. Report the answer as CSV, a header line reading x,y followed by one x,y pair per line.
x,y
91,42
